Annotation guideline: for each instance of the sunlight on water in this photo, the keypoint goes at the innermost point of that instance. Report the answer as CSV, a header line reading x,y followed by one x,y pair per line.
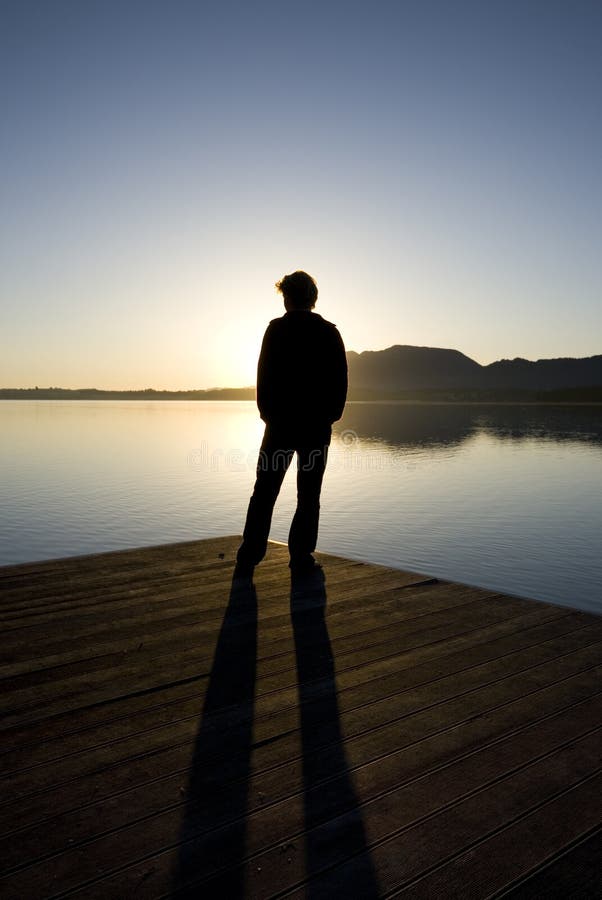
x,y
503,497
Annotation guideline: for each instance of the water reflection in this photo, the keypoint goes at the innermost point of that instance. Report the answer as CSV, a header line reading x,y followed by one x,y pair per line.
x,y
506,497
449,425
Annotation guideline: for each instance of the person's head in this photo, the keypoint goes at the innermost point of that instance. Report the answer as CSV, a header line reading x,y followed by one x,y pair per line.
x,y
299,290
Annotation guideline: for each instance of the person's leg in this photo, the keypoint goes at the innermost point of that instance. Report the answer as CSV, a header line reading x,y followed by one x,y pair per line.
x,y
274,459
303,535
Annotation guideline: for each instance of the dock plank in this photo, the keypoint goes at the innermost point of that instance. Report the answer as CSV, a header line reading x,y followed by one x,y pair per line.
x,y
378,732
393,656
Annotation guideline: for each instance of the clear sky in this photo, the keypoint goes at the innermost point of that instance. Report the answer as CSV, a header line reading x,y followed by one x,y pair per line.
x,y
435,166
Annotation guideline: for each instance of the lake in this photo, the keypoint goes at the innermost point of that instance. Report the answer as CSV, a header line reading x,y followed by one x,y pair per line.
x,y
504,497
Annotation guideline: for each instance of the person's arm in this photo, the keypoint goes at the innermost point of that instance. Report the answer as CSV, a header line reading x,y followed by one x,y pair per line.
x,y
265,375
339,376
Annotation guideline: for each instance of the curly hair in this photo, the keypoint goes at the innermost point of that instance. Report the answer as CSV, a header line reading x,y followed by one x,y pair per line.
x,y
299,289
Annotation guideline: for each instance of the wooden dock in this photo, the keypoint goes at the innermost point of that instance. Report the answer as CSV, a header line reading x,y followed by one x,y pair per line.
x,y
374,733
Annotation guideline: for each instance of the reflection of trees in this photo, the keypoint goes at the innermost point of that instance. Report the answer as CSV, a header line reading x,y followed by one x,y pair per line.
x,y
444,425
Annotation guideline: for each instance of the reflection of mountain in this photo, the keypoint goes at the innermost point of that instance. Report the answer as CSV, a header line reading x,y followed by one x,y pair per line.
x,y
406,425
405,368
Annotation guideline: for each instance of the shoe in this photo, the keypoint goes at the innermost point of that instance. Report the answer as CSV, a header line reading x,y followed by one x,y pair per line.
x,y
305,566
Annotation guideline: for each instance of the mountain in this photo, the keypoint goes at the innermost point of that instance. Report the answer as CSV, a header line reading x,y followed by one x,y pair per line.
x,y
407,368
411,368
544,374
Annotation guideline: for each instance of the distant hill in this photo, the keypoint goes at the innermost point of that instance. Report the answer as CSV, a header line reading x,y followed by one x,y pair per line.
x,y
56,393
406,368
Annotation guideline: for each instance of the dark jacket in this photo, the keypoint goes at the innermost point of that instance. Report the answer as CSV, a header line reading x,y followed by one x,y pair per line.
x,y
302,371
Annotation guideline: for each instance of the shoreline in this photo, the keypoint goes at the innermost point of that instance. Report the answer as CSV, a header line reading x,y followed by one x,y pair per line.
x,y
394,401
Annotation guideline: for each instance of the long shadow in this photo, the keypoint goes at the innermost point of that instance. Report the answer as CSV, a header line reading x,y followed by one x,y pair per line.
x,y
217,792
327,786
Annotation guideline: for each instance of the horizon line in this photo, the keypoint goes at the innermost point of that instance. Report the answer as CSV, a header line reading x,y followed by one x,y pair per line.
x,y
252,386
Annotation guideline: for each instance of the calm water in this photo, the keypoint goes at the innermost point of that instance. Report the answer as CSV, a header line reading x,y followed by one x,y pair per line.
x,y
504,497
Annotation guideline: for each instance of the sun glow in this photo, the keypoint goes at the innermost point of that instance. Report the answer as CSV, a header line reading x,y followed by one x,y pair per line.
x,y
235,353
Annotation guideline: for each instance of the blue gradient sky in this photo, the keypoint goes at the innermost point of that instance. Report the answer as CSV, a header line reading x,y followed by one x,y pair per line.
x,y
435,165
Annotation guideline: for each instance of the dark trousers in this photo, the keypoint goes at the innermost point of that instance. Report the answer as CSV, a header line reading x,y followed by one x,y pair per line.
x,y
277,449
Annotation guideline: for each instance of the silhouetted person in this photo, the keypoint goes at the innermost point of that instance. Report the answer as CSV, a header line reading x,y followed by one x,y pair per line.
x,y
301,391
